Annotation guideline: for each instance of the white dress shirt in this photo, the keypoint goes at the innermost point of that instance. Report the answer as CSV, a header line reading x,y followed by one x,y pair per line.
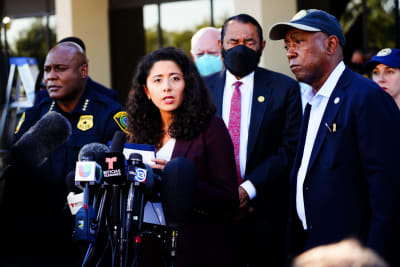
x,y
303,89
318,103
246,91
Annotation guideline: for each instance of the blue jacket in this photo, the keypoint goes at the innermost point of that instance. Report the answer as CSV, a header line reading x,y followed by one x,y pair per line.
x,y
352,184
36,199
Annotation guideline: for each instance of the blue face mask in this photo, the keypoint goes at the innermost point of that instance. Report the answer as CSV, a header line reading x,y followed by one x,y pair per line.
x,y
208,64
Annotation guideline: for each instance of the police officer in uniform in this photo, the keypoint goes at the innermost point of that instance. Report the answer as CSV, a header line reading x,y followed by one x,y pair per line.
x,y
94,118
41,93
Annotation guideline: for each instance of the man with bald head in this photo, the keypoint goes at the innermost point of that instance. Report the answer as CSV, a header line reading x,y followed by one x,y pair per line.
x,y
65,73
91,83
345,179
45,217
205,50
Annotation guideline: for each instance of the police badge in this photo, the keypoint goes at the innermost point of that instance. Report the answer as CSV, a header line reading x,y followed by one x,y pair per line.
x,y
85,122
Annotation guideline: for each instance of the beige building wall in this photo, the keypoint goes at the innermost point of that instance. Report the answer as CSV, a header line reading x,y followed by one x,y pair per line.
x,y
268,12
88,19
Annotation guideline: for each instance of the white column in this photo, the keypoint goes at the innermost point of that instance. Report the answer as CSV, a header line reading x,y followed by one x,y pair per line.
x,y
88,20
268,12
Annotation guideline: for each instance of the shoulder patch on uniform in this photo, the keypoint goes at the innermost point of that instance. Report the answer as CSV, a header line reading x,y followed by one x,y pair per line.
x,y
121,118
85,122
20,122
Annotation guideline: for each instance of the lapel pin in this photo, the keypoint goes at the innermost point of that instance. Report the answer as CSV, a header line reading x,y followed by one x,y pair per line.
x,y
327,127
337,100
261,99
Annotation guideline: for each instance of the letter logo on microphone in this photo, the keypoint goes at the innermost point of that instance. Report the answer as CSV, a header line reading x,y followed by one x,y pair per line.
x,y
110,162
114,166
141,175
85,171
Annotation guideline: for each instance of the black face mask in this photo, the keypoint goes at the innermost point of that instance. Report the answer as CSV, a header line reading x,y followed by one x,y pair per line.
x,y
241,60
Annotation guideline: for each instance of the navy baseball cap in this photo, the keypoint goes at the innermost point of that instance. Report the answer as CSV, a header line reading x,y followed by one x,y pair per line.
x,y
388,56
310,20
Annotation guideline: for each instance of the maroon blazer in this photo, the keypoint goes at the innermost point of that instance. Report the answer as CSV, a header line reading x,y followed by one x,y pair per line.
x,y
207,240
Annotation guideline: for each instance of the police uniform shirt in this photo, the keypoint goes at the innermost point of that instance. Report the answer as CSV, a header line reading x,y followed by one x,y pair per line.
x,y
94,119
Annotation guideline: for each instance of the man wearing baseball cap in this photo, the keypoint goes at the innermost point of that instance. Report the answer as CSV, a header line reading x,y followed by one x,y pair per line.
x,y
345,180
384,68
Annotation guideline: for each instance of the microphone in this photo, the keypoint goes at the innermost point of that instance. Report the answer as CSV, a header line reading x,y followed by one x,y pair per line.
x,y
46,135
176,193
113,164
140,173
118,142
93,151
89,152
88,172
114,174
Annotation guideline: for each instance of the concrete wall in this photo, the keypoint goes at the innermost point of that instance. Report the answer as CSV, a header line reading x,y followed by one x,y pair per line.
x,y
88,20
267,13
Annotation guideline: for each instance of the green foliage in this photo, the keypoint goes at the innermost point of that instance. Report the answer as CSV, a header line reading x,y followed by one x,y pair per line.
x,y
380,21
178,39
33,43
381,25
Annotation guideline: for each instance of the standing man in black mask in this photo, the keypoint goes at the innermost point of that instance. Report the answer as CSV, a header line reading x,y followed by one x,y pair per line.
x,y
262,110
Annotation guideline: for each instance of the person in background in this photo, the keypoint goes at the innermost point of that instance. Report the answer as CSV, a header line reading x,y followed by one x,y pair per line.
x,y
384,69
40,94
345,178
262,110
36,200
205,50
357,60
170,107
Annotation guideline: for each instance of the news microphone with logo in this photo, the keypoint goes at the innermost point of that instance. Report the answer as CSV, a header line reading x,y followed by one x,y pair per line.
x,y
89,152
177,190
113,164
114,174
86,173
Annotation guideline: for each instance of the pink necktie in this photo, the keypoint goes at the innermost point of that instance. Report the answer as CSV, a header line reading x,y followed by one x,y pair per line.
x,y
234,126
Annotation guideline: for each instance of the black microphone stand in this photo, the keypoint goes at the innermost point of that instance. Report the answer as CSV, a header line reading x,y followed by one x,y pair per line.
x,y
101,206
134,208
115,223
120,207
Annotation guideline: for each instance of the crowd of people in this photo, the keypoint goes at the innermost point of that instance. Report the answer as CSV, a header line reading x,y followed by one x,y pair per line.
x,y
286,169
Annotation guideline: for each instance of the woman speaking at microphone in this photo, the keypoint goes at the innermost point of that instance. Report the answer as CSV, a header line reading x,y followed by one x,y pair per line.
x,y
169,106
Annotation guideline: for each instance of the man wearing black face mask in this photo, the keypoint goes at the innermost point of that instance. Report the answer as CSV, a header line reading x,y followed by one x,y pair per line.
x,y
262,110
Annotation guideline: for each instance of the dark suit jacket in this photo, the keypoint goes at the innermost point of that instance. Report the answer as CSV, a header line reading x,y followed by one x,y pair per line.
x,y
273,133
208,237
352,185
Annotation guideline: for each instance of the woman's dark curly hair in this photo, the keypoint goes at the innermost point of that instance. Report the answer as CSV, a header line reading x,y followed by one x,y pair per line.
x,y
144,119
